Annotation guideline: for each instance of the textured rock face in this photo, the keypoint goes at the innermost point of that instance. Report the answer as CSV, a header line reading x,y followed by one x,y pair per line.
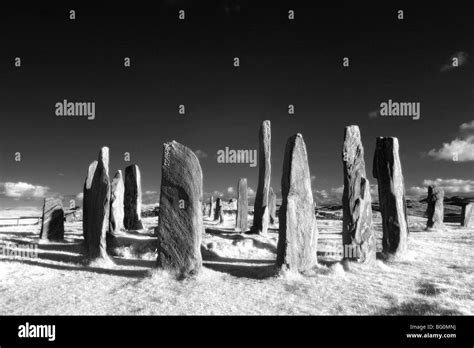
x,y
116,203
467,215
272,206
52,227
133,199
298,234
241,221
211,208
180,225
435,209
261,213
96,206
357,232
388,172
218,211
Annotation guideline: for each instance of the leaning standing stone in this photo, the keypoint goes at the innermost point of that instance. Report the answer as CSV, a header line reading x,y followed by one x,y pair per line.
x,y
52,227
435,209
211,206
116,203
298,233
180,224
388,172
133,198
241,221
261,213
357,232
96,206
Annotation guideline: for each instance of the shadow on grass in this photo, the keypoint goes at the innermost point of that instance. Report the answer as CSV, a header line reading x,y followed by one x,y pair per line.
x,y
429,289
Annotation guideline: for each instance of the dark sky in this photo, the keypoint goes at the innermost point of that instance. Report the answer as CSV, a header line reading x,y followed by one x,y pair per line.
x,y
190,62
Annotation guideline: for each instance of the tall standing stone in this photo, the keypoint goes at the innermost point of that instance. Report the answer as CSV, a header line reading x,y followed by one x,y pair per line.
x,y
52,227
435,208
388,172
467,215
298,233
358,237
272,206
116,203
133,198
180,225
218,211
96,206
211,206
261,213
241,220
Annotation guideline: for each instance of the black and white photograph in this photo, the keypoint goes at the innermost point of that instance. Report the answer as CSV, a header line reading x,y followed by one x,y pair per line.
x,y
237,158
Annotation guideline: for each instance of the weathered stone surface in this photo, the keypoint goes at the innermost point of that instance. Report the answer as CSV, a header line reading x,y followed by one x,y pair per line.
x,y
298,234
96,207
261,214
387,170
211,207
52,226
467,215
435,208
272,206
358,236
180,225
218,211
116,203
133,199
241,221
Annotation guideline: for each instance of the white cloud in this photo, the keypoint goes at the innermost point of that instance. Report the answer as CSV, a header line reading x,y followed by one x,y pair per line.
x,y
313,177
200,154
80,196
150,192
230,190
250,192
217,194
460,149
23,190
451,187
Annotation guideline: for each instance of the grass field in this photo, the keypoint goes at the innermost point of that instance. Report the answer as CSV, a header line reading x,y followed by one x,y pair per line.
x,y
238,278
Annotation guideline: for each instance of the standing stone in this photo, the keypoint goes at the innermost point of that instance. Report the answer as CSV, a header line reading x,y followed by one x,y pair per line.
x,y
96,206
298,234
241,220
133,198
272,206
388,172
52,227
358,236
218,211
467,215
211,206
261,214
180,225
435,208
116,203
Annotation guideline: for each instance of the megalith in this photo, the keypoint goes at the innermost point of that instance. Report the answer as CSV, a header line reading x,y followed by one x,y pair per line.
x,y
467,215
96,206
180,225
387,170
133,199
272,206
52,226
218,211
241,220
435,208
116,203
298,232
261,214
358,236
